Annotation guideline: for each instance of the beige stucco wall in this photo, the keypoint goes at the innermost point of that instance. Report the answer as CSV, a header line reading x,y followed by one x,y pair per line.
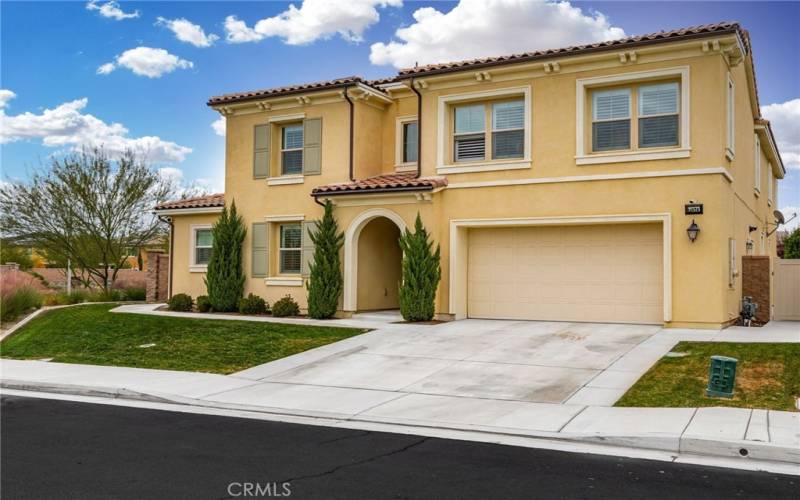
x,y
184,280
379,259
699,270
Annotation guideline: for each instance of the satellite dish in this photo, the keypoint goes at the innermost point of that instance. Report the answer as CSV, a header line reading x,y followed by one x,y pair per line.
x,y
779,218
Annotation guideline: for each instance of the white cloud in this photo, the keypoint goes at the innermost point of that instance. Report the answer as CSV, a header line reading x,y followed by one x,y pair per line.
x,y
315,19
219,126
188,32
5,96
785,120
171,174
146,61
67,125
482,28
112,10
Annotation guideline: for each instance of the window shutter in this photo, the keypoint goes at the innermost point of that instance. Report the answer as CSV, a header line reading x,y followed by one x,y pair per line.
x,y
661,99
261,151
308,247
312,150
611,104
258,262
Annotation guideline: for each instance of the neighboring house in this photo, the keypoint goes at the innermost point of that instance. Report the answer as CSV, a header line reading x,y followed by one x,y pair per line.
x,y
554,181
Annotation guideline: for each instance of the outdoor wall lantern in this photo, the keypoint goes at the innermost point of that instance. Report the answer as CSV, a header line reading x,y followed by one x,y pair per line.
x,y
692,231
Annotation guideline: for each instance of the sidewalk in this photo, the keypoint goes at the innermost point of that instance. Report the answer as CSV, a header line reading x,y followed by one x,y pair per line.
x,y
750,435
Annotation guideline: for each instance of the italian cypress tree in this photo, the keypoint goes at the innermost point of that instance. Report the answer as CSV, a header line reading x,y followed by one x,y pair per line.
x,y
325,280
421,274
224,276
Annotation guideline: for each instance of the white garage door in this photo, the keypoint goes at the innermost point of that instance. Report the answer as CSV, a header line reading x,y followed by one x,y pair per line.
x,y
601,272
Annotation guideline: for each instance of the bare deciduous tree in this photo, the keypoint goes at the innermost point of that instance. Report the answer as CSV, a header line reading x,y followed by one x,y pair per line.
x,y
89,208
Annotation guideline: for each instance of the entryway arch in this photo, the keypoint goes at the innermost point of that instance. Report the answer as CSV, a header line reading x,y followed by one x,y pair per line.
x,y
351,250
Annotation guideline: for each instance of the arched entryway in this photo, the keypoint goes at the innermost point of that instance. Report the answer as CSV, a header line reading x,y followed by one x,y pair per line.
x,y
372,261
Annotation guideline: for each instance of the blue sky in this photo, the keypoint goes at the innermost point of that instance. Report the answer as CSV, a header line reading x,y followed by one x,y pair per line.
x,y
50,53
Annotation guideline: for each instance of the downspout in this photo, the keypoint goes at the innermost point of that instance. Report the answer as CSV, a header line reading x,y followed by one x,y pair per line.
x,y
352,113
419,130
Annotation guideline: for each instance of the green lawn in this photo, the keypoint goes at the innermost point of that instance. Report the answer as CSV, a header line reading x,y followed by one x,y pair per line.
x,y
767,376
92,335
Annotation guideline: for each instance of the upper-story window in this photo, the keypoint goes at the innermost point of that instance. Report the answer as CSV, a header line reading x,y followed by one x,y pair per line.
x,y
636,116
507,135
292,149
757,163
410,147
658,117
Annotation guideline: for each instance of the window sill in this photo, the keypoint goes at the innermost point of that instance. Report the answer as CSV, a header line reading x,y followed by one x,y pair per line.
x,y
599,158
284,281
405,167
484,166
198,268
285,179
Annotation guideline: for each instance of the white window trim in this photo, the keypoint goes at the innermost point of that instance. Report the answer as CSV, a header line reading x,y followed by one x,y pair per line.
x,y
299,249
283,281
683,150
481,166
730,144
287,118
194,267
285,218
770,183
286,179
757,165
398,141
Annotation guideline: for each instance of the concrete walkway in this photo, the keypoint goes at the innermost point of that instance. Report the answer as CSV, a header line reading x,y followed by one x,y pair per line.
x,y
475,375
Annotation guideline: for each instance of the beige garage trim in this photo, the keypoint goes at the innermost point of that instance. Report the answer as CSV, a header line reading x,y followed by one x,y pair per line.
x,y
600,273
585,268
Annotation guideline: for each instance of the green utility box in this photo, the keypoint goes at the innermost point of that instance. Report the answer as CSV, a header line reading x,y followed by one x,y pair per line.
x,y
721,377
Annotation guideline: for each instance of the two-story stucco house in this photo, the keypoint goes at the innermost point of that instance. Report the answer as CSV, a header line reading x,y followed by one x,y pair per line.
x,y
556,182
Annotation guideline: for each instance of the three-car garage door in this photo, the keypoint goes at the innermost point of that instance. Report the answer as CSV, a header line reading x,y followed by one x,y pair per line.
x,y
600,272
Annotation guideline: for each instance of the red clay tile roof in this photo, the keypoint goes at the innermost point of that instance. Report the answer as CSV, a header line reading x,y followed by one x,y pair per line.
x,y
287,90
661,36
209,201
383,183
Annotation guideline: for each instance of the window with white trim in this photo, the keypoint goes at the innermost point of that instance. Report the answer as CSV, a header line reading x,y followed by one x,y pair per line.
x,y
203,244
292,149
770,182
290,249
658,115
410,136
731,131
469,133
757,163
508,129
611,119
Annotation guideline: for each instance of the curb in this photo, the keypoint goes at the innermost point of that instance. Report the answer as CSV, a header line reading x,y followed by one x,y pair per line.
x,y
753,452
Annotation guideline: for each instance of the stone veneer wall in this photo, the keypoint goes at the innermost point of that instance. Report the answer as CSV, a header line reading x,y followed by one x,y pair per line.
x,y
756,283
157,276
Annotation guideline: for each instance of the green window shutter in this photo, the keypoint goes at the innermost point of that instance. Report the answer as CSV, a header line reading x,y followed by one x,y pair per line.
x,y
260,151
259,262
312,142
308,247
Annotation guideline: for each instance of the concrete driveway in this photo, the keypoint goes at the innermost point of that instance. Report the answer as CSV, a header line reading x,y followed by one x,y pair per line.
x,y
547,362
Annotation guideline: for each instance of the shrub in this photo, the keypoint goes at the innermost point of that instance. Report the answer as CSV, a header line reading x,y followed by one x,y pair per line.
x,y
19,301
203,304
285,307
224,275
252,304
135,294
421,274
791,245
110,295
180,302
325,280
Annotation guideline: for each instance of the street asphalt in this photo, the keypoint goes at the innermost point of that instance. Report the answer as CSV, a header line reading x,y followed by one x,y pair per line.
x,y
63,449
